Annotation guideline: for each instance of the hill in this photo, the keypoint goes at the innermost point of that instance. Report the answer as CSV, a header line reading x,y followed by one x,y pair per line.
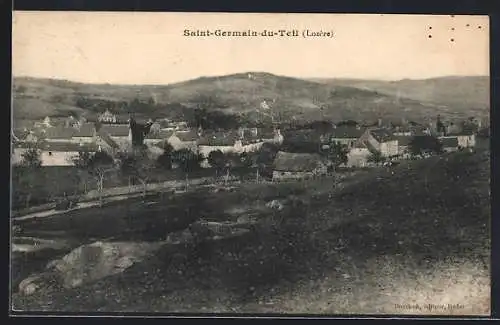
x,y
459,92
414,234
242,93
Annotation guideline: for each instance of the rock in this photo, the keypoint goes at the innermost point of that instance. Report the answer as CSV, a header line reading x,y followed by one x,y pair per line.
x,y
37,282
92,262
275,204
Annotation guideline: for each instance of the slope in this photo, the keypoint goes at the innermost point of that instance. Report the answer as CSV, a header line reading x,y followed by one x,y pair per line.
x,y
238,93
415,234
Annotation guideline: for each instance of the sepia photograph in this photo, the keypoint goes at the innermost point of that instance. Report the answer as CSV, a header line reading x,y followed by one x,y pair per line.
x,y
250,164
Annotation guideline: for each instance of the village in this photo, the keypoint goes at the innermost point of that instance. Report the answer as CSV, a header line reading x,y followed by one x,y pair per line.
x,y
60,141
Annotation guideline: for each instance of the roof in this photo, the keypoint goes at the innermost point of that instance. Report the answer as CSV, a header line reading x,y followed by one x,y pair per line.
x,y
451,142
347,132
59,133
382,135
62,146
162,134
304,135
115,130
219,139
86,130
296,162
109,141
188,136
403,140
461,133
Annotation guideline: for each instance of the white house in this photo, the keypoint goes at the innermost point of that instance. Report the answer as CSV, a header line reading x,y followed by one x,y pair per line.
x,y
358,155
55,153
346,135
184,140
119,133
465,139
381,140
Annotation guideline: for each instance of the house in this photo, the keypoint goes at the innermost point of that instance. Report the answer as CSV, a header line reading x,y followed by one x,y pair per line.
x,y
153,138
403,143
223,141
107,117
304,140
358,155
465,138
450,144
184,140
59,134
84,133
347,135
298,165
55,153
119,133
381,140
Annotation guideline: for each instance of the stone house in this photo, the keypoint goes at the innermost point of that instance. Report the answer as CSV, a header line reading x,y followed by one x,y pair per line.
x,y
298,165
381,140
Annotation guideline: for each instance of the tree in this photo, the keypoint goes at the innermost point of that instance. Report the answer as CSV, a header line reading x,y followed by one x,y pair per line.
x,y
164,161
82,162
376,158
98,166
426,144
138,165
336,154
187,161
31,163
218,160
265,158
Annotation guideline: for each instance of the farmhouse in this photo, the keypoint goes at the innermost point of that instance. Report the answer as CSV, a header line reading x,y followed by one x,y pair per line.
x,y
298,165
450,144
381,140
184,140
358,155
223,141
346,135
466,138
55,153
119,133
84,133
403,143
153,138
59,134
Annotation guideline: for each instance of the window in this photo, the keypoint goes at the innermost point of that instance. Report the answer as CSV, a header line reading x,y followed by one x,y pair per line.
x,y
50,153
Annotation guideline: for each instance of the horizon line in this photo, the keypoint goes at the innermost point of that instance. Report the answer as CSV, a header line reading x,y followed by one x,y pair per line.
x,y
310,79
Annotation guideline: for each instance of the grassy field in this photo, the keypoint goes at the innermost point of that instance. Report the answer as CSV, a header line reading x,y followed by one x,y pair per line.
x,y
415,234
52,182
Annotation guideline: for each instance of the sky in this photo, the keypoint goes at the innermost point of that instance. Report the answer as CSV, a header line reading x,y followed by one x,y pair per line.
x,y
150,48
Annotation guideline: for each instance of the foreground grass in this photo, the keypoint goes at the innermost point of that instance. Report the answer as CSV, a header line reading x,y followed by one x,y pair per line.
x,y
391,242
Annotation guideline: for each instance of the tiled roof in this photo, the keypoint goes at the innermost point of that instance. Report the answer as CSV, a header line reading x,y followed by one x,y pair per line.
x,y
219,139
305,136
347,132
108,140
116,130
86,130
162,134
59,133
451,142
187,136
62,146
296,162
382,135
403,140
